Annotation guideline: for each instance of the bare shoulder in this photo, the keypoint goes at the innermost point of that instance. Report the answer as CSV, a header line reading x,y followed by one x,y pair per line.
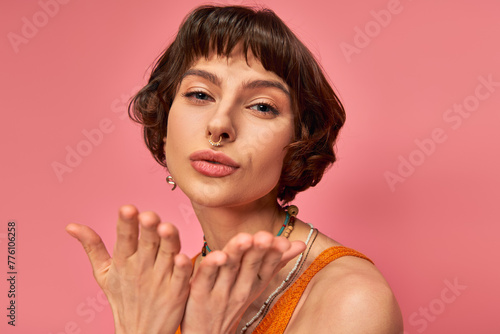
x,y
351,296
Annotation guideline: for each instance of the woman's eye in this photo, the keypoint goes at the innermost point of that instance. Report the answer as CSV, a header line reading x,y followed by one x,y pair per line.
x,y
264,108
200,96
197,96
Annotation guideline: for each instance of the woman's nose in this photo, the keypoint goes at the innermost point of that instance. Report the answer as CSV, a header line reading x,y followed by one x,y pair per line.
x,y
220,127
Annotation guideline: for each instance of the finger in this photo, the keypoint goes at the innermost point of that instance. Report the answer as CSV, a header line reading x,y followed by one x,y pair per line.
x,y
149,240
234,250
295,249
93,245
252,260
272,258
204,278
278,256
126,232
179,281
170,246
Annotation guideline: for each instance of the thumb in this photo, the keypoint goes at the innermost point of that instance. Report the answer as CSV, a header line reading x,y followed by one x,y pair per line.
x,y
92,244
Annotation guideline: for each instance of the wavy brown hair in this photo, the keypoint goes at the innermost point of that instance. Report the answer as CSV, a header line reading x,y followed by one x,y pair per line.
x,y
318,113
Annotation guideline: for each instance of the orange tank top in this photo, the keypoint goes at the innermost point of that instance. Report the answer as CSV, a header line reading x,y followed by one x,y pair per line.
x,y
276,321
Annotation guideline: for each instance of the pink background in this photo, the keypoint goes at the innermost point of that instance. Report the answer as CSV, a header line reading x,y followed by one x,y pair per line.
x,y
435,226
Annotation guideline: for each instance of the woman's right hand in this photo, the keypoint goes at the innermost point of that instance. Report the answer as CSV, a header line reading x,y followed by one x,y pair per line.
x,y
147,280
226,282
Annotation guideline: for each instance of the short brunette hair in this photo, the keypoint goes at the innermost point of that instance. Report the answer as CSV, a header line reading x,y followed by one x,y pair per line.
x,y
318,113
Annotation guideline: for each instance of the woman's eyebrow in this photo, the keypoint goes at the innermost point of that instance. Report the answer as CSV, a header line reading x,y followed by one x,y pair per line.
x,y
266,84
247,85
204,74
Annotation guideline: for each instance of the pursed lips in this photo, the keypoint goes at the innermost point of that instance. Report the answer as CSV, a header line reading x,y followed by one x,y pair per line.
x,y
213,164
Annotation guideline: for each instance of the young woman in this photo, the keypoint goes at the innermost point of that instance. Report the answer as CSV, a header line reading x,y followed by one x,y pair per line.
x,y
241,115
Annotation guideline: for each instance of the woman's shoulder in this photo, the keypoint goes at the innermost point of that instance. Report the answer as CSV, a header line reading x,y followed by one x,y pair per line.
x,y
348,295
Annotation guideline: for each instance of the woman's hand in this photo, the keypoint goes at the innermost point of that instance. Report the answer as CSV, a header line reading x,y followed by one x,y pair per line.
x,y
228,281
147,280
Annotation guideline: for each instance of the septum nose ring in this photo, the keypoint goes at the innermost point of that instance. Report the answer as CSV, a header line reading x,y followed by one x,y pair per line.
x,y
216,144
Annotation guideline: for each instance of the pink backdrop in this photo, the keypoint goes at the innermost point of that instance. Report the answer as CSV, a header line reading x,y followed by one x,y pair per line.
x,y
415,187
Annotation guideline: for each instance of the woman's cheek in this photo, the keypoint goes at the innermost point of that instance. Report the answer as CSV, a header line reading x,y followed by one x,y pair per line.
x,y
173,139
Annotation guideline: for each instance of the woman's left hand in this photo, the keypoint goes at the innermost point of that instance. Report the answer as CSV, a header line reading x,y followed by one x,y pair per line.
x,y
228,281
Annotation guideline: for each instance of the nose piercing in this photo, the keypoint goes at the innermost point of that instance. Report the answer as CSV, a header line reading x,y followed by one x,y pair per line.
x,y
217,144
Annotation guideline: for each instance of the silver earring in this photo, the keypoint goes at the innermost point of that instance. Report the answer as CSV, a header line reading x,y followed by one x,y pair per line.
x,y
170,180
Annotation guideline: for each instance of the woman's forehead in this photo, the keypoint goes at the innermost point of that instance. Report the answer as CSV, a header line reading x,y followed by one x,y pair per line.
x,y
238,61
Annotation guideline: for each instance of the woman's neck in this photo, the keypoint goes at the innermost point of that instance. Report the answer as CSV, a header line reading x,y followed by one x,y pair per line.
x,y
220,224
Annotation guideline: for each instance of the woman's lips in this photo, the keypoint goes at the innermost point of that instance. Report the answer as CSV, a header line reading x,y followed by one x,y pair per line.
x,y
213,164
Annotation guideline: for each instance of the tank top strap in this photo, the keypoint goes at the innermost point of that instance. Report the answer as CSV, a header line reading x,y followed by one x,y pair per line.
x,y
276,321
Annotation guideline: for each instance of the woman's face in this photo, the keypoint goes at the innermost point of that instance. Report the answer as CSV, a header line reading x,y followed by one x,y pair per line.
x,y
250,109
